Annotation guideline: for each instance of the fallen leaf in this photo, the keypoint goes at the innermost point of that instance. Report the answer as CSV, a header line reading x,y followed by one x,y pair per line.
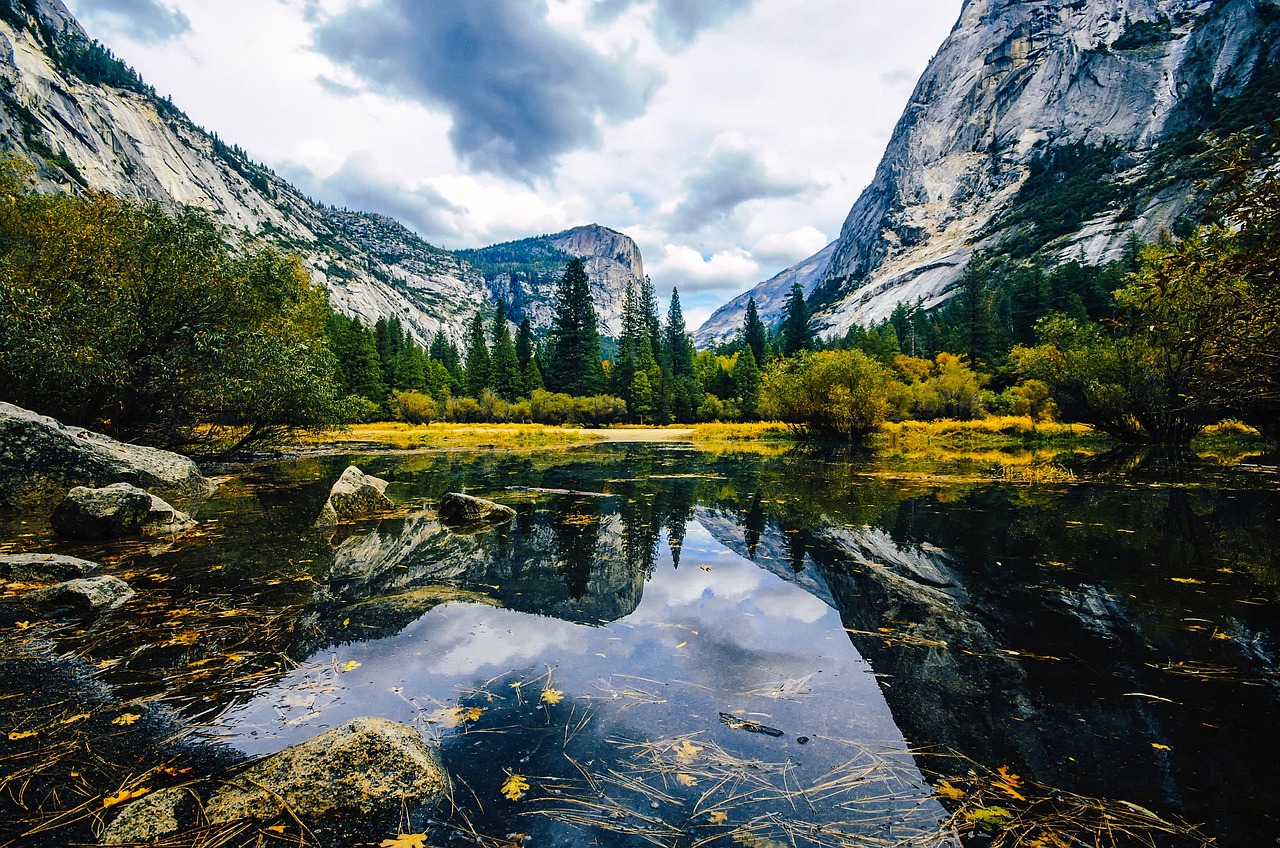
x,y
686,752
73,719
552,696
276,828
405,840
1190,580
472,713
718,817
1160,747
350,665
122,796
187,637
686,779
15,735
946,790
1008,776
681,645
127,718
23,625
514,787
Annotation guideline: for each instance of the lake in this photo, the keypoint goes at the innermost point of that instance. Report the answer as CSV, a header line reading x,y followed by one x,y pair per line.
x,y
676,646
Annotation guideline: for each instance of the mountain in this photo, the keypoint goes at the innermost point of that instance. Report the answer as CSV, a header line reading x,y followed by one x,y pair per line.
x,y
89,122
1055,130
771,298
524,273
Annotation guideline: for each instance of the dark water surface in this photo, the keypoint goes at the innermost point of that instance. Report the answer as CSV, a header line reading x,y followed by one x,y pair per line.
x,y
672,645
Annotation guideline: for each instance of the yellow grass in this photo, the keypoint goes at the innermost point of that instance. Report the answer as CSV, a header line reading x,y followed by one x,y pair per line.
x,y
741,432
451,436
977,434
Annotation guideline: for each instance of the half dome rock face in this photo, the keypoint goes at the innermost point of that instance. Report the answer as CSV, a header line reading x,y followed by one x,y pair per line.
x,y
1038,128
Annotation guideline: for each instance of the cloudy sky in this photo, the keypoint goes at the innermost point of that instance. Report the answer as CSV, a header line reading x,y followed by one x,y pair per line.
x,y
727,137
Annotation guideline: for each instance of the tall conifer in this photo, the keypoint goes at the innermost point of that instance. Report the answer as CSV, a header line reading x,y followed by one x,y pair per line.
x,y
574,363
504,367
477,374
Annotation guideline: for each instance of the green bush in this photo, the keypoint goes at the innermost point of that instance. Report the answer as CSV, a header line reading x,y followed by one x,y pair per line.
x,y
837,394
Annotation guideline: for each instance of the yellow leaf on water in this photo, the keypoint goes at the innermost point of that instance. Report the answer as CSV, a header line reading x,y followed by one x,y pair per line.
x,y
472,713
552,696
15,735
1160,747
73,719
405,840
345,622
127,718
718,817
514,787
276,828
122,796
946,790
187,637
1008,776
23,625
350,665
681,645
686,752
686,779
1190,580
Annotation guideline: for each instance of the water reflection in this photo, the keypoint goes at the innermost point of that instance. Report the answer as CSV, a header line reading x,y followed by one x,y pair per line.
x,y
1114,637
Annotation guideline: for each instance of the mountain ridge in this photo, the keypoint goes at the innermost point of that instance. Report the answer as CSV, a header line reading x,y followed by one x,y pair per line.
x,y
1125,93
87,121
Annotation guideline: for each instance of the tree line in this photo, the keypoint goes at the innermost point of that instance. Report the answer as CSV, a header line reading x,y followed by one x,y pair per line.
x,y
1152,348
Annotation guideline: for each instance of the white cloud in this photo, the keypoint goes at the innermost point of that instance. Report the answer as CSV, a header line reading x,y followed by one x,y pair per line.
x,y
688,270
790,247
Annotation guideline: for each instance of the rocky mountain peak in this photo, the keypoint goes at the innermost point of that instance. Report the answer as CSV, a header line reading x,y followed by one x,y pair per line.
x,y
1049,129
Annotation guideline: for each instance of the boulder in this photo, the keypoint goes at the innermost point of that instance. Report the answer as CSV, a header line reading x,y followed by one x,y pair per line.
x,y
368,766
40,457
32,568
463,510
115,511
85,596
153,816
355,495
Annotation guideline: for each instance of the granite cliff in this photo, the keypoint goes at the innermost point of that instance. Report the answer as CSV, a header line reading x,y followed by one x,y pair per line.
x,y
1054,129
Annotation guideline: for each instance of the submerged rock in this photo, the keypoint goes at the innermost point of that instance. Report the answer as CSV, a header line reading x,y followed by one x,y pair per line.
x,y
355,495
153,816
40,457
462,510
368,765
115,511
40,567
85,596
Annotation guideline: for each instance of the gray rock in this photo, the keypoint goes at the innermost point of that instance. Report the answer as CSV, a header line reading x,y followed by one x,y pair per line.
x,y
39,458
355,495
463,510
39,567
368,765
153,816
86,595
115,511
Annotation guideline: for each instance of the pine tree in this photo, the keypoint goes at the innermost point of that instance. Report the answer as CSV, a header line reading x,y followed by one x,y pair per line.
x,y
754,333
524,342
794,332
444,351
681,382
746,383
623,370
574,365
359,370
477,372
504,368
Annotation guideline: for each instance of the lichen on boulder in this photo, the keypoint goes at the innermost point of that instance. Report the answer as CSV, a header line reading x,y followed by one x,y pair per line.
x,y
42,458
368,765
459,510
115,511
355,495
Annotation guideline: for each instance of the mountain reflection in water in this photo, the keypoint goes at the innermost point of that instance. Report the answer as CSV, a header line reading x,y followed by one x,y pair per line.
x,y
1115,638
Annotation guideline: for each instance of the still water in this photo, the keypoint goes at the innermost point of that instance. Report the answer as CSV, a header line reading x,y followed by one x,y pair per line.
x,y
669,645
